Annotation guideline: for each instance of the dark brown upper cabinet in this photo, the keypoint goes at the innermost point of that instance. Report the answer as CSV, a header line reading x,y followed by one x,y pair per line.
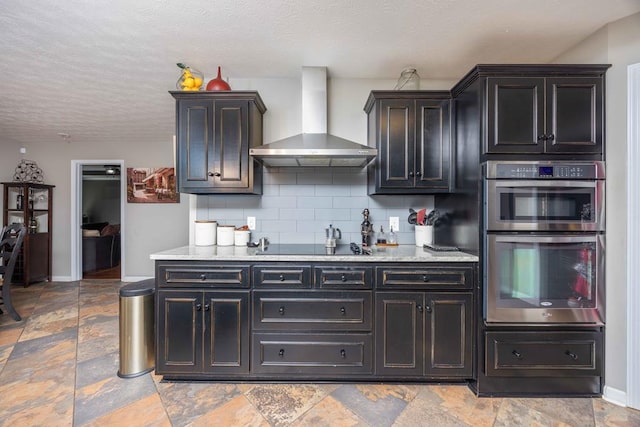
x,y
411,130
536,110
544,115
214,133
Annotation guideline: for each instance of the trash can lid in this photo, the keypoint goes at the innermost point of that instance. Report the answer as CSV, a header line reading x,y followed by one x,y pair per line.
x,y
144,287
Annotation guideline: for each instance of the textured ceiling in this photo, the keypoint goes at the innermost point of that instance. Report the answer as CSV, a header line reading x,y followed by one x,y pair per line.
x,y
103,67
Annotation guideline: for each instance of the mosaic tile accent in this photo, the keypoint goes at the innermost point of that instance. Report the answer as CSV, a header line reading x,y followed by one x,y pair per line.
x,y
282,403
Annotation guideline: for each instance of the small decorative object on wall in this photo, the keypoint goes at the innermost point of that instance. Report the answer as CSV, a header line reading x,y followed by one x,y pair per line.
x,y
152,185
28,171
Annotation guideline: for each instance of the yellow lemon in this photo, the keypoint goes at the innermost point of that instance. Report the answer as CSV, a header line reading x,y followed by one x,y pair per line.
x,y
188,82
197,81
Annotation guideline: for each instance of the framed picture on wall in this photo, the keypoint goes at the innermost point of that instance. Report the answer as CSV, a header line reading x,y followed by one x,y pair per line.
x,y
152,185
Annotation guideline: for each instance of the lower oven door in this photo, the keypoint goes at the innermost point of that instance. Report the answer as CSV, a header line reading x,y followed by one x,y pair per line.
x,y
544,278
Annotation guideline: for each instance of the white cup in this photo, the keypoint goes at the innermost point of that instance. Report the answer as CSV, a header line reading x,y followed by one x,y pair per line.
x,y
424,235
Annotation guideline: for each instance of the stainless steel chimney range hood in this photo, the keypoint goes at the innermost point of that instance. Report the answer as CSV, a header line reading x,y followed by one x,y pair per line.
x,y
314,147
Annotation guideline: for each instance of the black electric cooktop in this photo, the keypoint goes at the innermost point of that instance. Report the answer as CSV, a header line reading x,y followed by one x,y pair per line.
x,y
305,249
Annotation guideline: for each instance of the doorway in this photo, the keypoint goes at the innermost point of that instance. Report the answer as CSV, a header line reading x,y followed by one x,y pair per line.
x,y
633,236
98,189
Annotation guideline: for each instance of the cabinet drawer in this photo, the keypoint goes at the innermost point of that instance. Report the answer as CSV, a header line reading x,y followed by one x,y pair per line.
x,y
317,354
543,353
190,275
343,277
298,276
312,310
425,278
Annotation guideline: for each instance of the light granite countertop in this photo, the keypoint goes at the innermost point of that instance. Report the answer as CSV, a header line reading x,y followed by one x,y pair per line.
x,y
402,253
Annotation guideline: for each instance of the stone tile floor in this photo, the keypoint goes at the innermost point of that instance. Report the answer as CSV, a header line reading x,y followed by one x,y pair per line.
x,y
58,368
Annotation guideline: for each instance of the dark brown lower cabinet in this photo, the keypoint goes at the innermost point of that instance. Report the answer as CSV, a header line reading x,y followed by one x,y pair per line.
x,y
202,332
424,334
294,321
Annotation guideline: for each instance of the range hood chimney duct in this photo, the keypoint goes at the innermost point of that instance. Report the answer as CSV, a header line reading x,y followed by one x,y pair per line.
x,y
314,146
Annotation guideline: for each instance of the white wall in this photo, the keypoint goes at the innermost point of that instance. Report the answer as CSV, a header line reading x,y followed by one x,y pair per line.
x,y
9,158
618,44
149,227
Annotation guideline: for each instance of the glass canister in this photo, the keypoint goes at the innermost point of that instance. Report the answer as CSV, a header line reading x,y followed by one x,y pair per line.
x,y
190,78
409,80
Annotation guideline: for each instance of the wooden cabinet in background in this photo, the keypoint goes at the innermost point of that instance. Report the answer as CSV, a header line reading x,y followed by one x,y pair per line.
x,y
411,130
31,204
214,131
545,115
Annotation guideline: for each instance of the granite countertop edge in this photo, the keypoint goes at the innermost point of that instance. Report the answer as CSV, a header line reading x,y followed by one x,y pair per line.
x,y
402,253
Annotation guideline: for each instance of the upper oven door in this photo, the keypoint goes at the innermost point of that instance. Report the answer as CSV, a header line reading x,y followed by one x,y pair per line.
x,y
538,205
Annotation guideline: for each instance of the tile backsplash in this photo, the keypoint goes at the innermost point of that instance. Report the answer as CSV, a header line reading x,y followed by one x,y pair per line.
x,y
297,205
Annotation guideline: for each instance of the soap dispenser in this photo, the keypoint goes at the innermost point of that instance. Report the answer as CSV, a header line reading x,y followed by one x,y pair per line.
x,y
381,237
392,237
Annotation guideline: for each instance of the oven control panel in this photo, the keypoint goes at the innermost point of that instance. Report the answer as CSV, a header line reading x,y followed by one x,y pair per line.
x,y
545,171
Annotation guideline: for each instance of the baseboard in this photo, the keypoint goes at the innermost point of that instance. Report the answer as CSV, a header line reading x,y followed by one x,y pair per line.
x,y
615,396
61,279
135,278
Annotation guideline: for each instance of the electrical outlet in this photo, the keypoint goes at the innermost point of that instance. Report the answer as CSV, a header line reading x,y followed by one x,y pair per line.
x,y
394,222
251,222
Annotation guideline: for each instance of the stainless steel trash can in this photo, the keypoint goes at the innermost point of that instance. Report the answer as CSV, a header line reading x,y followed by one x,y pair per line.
x,y
137,328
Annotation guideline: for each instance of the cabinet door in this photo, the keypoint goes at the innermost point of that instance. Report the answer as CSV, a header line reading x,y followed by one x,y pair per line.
x,y
396,154
195,143
226,332
448,335
574,115
231,166
432,145
399,333
179,332
515,115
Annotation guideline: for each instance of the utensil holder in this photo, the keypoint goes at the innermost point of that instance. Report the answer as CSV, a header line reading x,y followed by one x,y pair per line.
x,y
424,234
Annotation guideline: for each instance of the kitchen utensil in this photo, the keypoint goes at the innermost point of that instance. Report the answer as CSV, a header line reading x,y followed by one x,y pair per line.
x,y
412,217
218,83
420,216
433,218
263,243
333,234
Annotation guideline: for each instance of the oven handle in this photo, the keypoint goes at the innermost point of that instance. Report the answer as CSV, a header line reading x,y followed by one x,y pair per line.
x,y
501,238
540,183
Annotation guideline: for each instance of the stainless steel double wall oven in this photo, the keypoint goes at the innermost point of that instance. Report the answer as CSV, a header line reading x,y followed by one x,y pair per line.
x,y
544,224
